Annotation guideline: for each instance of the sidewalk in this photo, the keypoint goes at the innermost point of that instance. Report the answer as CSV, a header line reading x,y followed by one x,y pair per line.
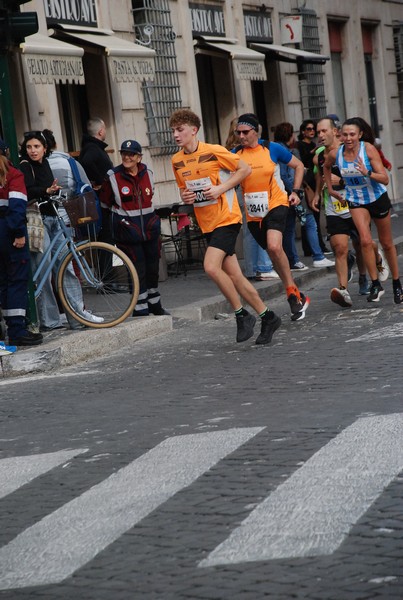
x,y
191,297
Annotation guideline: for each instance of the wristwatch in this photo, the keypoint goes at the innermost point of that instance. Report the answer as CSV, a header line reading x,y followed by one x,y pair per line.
x,y
369,173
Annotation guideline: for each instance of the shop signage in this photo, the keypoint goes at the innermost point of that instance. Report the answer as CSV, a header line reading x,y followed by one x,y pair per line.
x,y
131,68
72,12
250,69
291,29
207,19
258,27
46,68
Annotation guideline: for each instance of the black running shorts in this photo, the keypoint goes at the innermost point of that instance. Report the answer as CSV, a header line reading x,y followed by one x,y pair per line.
x,y
275,219
224,238
378,209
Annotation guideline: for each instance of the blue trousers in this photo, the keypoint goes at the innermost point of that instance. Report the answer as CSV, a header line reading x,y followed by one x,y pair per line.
x,y
14,273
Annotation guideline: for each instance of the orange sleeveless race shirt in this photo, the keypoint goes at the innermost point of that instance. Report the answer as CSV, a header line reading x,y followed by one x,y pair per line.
x,y
265,177
214,163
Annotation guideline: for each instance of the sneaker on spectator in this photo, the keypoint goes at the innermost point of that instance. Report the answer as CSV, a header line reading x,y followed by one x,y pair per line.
x,y
398,295
266,275
88,316
364,285
325,262
245,325
375,293
382,266
298,307
270,323
341,297
299,266
5,350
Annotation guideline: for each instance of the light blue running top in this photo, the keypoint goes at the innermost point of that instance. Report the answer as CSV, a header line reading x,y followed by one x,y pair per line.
x,y
359,189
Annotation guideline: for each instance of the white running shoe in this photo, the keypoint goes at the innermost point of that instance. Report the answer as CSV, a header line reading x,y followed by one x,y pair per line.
x,y
382,266
341,297
325,262
88,316
267,275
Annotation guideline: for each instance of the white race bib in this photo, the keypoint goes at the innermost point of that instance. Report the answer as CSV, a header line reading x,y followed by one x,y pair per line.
x,y
257,204
197,186
352,177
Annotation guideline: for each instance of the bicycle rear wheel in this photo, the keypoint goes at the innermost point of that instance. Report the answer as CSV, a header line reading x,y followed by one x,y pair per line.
x,y
109,282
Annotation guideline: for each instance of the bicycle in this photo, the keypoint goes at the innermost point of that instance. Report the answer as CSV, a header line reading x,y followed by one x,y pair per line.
x,y
108,278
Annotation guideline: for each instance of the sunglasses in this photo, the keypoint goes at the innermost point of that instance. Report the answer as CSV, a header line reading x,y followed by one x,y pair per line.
x,y
309,128
29,135
237,132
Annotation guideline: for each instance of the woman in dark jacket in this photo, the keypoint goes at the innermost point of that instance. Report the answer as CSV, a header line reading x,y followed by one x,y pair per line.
x,y
127,194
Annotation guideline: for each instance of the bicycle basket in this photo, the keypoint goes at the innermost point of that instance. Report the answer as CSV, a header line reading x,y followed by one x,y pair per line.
x,y
82,209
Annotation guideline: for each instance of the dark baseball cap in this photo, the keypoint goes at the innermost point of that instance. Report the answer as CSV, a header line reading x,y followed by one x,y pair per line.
x,y
3,146
335,120
131,146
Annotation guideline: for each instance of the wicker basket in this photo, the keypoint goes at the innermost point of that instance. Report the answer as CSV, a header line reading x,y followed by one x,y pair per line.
x,y
82,209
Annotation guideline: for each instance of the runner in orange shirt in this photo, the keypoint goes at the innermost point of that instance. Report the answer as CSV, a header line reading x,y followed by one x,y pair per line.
x,y
266,202
207,175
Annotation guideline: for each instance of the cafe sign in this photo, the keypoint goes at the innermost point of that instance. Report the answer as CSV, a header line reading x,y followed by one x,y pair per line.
x,y
71,12
258,27
207,20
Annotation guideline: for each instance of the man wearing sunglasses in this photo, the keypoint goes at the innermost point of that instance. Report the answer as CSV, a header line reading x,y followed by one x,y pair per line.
x,y
266,202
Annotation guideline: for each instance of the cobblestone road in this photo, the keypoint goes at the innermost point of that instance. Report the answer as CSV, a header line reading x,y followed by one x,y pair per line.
x,y
194,433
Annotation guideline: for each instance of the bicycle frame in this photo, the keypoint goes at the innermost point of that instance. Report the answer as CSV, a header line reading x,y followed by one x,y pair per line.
x,y
68,245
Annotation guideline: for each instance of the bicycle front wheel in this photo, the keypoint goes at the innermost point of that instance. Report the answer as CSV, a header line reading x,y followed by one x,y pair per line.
x,y
109,284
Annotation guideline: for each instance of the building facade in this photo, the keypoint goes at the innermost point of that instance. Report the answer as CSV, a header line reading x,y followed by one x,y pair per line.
x,y
133,62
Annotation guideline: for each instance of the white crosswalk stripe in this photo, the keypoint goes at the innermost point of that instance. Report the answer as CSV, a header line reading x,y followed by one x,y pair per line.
x,y
65,540
311,513
19,470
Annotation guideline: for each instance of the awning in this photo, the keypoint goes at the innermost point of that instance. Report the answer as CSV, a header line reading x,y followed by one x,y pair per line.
x,y
127,61
294,55
52,61
248,64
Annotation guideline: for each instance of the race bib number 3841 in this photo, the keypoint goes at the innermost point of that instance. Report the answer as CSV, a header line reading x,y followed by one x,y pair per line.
x,y
197,186
257,204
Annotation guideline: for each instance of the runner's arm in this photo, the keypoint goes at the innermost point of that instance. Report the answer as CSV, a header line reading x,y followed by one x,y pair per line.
x,y
215,191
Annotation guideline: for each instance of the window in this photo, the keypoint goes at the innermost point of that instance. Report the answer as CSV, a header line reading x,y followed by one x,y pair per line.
x,y
162,96
398,45
311,76
338,104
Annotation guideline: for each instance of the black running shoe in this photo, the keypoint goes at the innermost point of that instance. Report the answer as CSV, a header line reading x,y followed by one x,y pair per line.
x,y
375,293
29,339
298,307
398,295
269,326
245,325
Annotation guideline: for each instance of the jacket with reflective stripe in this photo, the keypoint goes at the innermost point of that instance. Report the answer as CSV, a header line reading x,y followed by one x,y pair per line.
x,y
13,202
128,195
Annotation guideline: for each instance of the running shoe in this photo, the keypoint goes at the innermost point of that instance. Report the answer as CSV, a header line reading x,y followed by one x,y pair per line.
x,y
375,293
6,350
298,307
364,286
270,323
382,266
245,324
299,266
325,262
341,297
398,295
